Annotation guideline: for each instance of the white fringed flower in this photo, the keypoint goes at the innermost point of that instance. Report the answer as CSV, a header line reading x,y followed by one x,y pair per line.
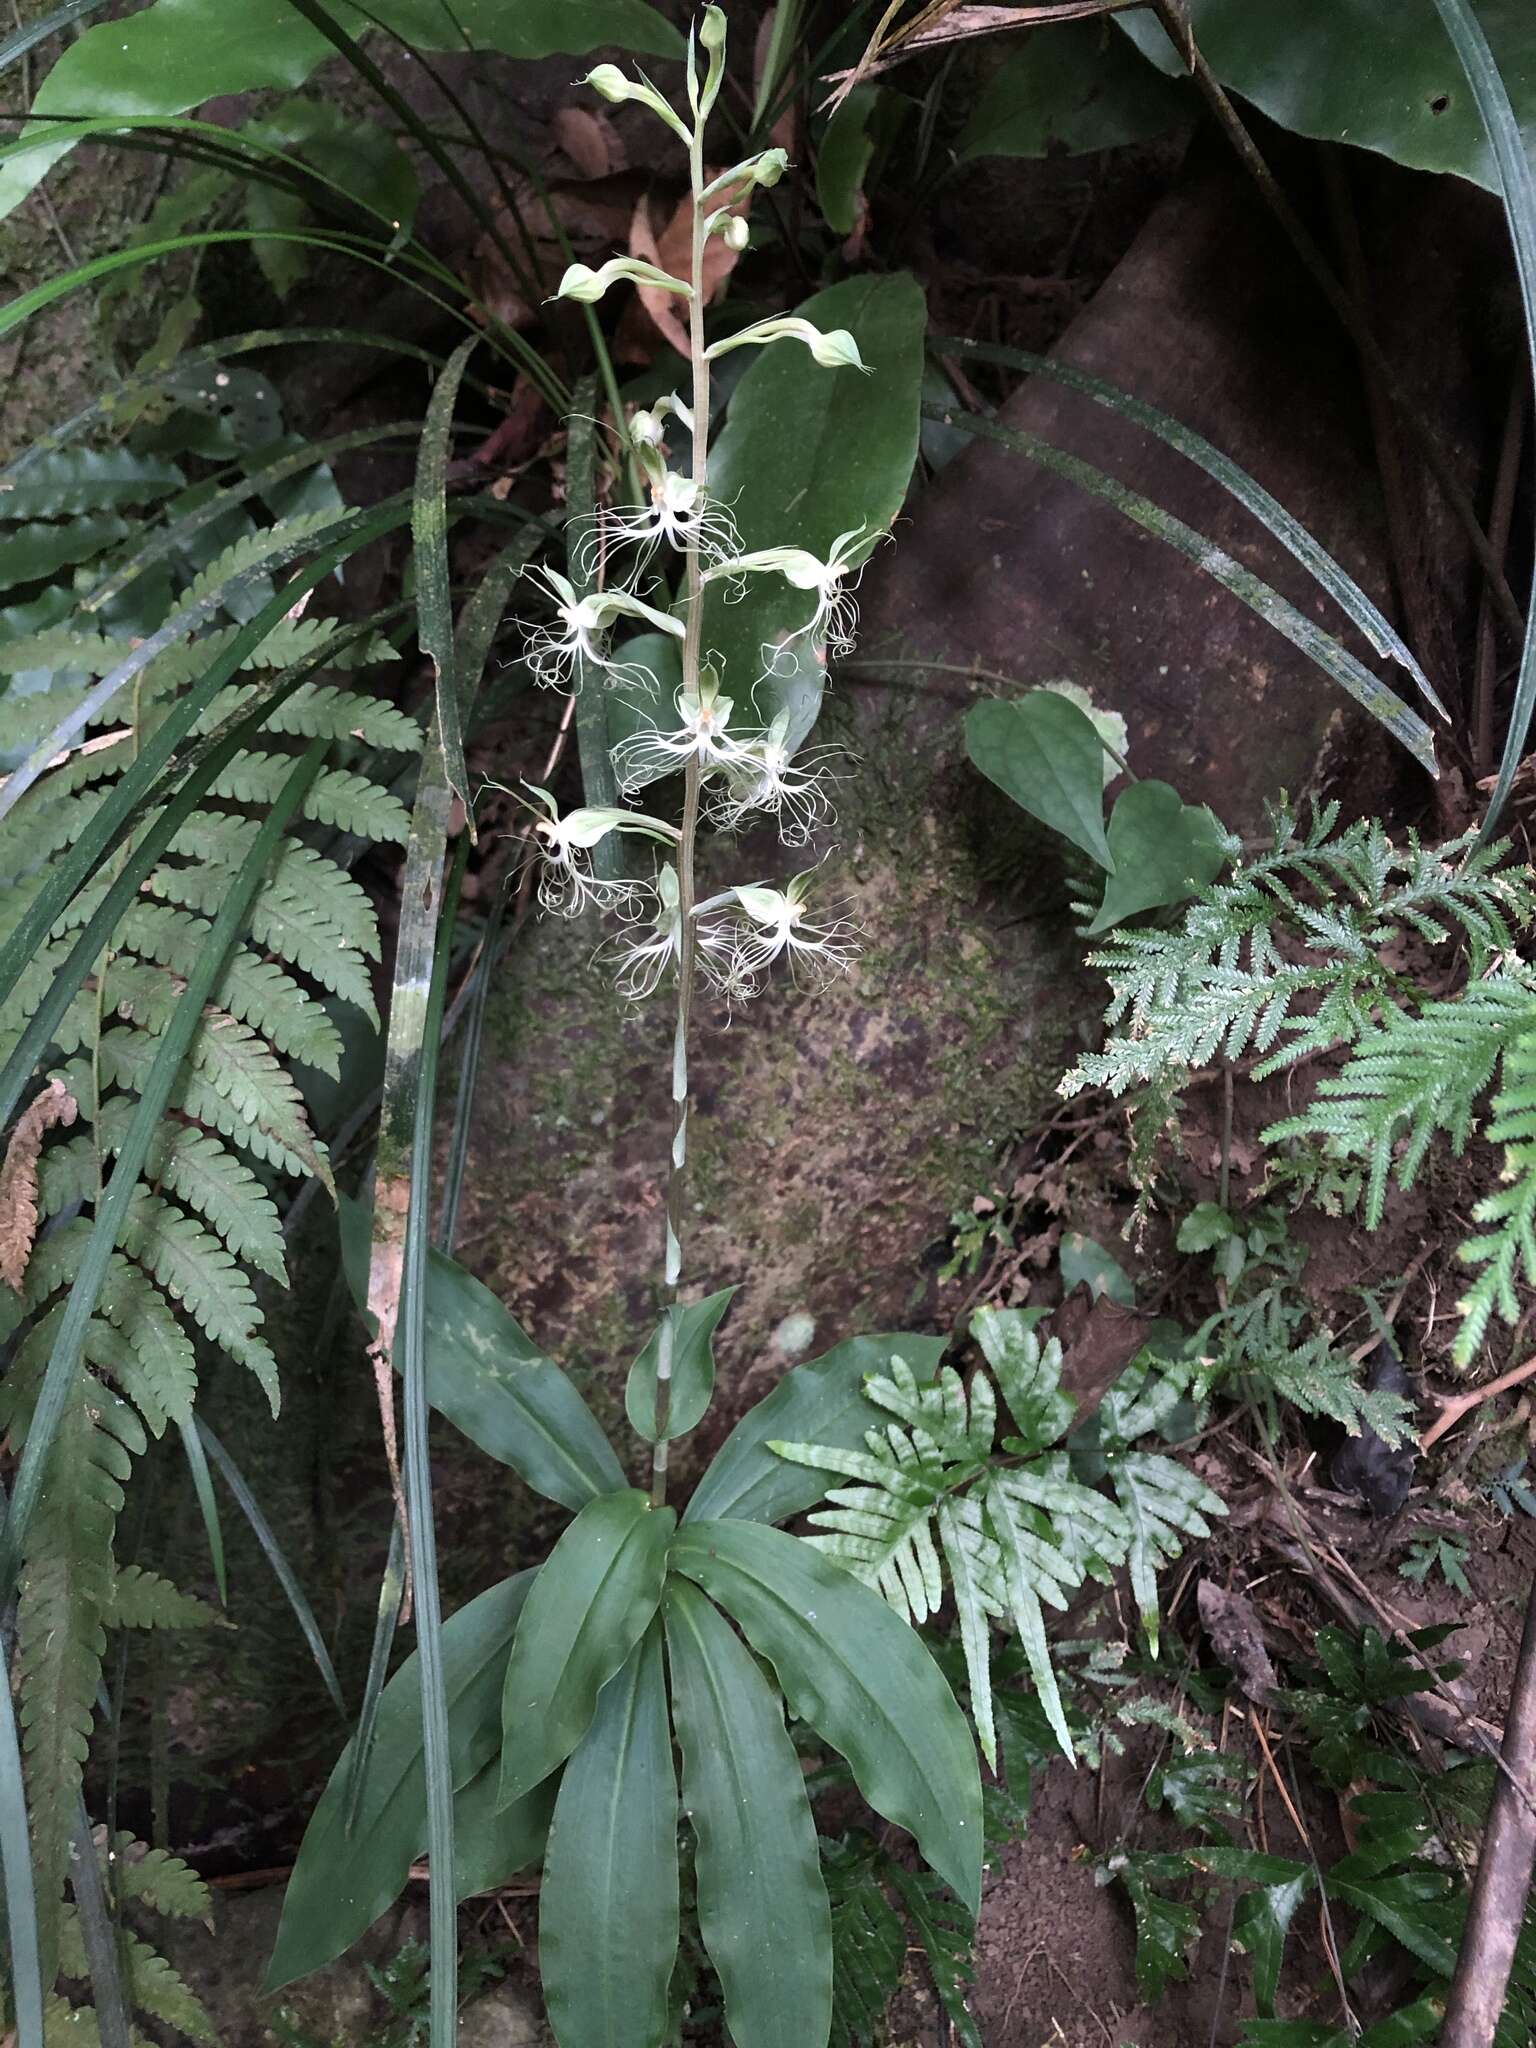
x,y
565,845
773,925
835,616
791,789
681,514
701,734
580,632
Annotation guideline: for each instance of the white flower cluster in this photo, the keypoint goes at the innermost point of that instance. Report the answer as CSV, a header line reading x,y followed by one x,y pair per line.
x,y
734,770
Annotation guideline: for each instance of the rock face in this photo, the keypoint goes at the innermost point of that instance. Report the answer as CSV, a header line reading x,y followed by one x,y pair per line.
x,y
1014,570
832,1133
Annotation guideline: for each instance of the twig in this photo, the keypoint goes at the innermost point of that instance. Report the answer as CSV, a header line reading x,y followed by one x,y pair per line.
x,y
1454,1406
1330,1940
1497,1913
1321,271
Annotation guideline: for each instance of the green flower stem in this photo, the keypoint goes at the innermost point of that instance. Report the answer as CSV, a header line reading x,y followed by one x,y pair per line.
x,y
677,1171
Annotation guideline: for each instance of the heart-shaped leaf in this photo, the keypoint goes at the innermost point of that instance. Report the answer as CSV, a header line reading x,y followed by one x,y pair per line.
x,y
1044,752
1163,851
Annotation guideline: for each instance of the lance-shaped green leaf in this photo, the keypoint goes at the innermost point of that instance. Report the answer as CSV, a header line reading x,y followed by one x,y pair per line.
x,y
1260,1924
862,1679
594,1600
762,1904
491,1380
819,1403
343,1879
608,1904
693,1370
845,466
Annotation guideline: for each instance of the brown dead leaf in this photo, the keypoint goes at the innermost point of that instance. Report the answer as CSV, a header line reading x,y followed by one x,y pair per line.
x,y
782,133
1237,1636
1098,1341
591,141
18,1178
595,216
663,313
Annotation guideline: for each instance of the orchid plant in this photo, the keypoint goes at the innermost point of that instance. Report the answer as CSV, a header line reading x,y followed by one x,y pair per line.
x,y
571,1690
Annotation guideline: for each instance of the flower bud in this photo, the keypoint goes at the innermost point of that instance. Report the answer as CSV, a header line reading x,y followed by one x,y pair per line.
x,y
712,29
582,282
611,83
834,350
733,231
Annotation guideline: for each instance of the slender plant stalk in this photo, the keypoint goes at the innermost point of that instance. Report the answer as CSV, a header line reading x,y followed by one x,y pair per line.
x,y
677,1172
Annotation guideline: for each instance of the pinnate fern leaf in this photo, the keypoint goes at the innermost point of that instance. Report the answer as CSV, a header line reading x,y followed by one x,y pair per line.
x,y
65,1597
143,1599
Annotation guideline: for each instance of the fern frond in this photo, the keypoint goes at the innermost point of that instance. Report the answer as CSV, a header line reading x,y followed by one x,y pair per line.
x,y
1507,1252
285,923
152,1985
143,1599
320,711
265,547
351,803
65,1595
159,1880
1286,956
1412,1076
159,1370
195,1270
1163,1503
234,1085
256,991
222,842
1012,1534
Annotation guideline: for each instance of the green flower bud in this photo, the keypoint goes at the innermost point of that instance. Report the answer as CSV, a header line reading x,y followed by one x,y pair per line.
x,y
588,285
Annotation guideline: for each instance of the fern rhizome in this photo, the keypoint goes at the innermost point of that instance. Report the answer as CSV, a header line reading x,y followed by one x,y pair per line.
x,y
202,1225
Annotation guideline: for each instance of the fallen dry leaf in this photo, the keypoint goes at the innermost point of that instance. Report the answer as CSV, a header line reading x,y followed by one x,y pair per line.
x,y
1098,1341
590,140
18,1177
1237,1636
672,251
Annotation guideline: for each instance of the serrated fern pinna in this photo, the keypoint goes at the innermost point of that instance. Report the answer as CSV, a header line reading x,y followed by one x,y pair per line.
x,y
1292,953
201,1222
1008,1524
1415,1073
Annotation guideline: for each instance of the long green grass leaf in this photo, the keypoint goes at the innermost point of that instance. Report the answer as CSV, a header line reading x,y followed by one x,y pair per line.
x,y
21,40
1517,182
98,1935
207,1503
1335,661
429,531
411,1342
277,1558
141,787
391,1600
1251,494
16,1869
112,1210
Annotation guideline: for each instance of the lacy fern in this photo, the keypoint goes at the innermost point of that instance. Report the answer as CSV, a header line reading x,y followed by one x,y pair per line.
x,y
202,1222
1290,955
155,1881
1012,1533
1418,1073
